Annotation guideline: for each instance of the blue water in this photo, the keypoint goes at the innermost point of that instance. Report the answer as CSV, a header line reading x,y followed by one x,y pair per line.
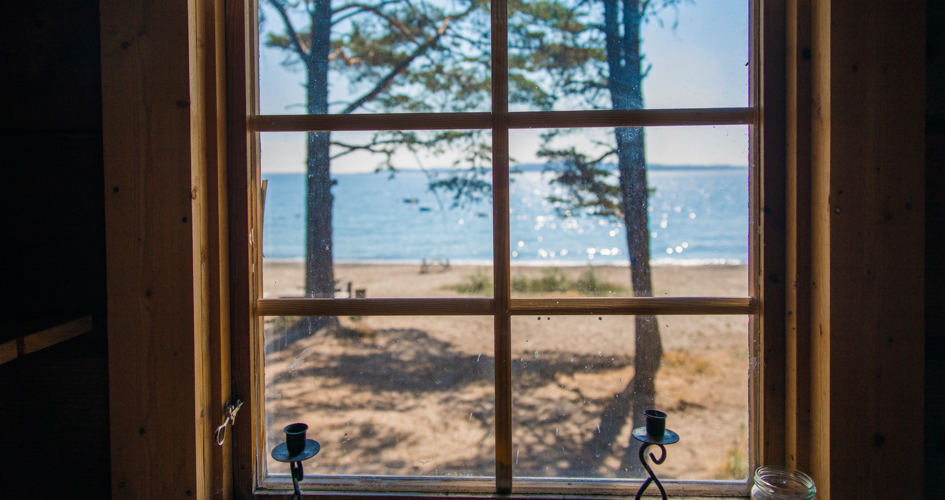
x,y
697,215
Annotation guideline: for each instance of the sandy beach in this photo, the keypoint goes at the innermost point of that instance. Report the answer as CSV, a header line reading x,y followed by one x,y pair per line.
x,y
414,395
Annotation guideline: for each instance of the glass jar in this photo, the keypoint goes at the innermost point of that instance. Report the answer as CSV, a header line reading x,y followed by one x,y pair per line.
x,y
776,482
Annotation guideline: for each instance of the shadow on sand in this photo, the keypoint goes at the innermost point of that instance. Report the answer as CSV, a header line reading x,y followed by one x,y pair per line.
x,y
343,374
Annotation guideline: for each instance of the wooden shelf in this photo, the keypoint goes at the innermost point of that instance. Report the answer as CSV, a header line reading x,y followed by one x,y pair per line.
x,y
42,339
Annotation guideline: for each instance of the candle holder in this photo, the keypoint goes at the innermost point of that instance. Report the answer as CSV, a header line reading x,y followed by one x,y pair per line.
x,y
654,433
293,451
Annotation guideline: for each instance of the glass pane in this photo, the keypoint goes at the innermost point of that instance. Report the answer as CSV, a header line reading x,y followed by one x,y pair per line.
x,y
672,54
574,387
407,231
374,57
568,233
384,396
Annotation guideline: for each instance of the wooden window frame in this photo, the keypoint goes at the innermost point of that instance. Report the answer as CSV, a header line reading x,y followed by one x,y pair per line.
x,y
766,271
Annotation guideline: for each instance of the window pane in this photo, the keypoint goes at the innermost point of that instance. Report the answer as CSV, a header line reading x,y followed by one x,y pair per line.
x,y
675,55
573,388
397,233
376,57
384,396
568,233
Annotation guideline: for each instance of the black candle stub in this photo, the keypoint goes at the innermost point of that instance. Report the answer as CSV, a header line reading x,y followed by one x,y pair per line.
x,y
655,423
295,438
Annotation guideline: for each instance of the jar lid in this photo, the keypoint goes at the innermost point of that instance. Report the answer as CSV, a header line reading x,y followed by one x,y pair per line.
x,y
785,483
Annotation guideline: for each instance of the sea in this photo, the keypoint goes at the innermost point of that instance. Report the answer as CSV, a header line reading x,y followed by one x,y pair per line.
x,y
697,216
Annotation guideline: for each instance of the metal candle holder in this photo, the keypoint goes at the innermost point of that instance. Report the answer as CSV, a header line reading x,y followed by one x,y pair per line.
x,y
654,433
294,450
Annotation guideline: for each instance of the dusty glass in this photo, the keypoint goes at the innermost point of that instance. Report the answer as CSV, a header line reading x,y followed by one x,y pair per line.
x,y
570,231
324,57
576,390
576,55
412,229
384,396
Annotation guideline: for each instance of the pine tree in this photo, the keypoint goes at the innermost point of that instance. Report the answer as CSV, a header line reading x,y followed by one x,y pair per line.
x,y
434,56
399,56
589,52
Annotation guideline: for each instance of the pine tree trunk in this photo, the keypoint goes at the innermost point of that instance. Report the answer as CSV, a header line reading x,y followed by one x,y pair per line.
x,y
625,78
319,270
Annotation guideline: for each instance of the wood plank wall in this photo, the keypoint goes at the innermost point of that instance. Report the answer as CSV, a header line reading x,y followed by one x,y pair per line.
x,y
161,117
51,136
53,246
868,225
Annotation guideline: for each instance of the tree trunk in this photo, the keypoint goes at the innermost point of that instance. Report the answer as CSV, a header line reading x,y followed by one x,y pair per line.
x,y
623,60
319,270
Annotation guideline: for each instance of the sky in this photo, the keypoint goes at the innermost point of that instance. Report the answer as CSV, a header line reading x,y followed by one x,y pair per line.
x,y
701,63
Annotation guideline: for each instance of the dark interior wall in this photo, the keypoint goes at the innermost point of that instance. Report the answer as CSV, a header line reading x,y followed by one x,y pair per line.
x,y
53,403
934,249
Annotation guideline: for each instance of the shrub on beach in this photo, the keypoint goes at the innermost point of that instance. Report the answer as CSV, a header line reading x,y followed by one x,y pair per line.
x,y
479,282
552,280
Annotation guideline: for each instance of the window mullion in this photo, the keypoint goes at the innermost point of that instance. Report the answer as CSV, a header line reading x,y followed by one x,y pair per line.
x,y
516,120
500,250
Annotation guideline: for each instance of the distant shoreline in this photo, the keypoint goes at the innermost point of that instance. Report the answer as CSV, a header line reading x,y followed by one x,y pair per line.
x,y
662,262
533,167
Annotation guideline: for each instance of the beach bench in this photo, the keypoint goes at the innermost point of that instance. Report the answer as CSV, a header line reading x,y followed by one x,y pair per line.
x,y
359,293
426,264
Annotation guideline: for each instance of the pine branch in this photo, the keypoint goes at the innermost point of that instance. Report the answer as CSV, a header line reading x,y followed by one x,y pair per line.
x,y
386,82
293,35
393,21
359,5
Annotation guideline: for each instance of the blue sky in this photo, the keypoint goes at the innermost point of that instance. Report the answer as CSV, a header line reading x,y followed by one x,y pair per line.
x,y
701,63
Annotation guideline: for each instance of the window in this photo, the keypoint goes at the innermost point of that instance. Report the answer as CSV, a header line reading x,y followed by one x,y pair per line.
x,y
547,251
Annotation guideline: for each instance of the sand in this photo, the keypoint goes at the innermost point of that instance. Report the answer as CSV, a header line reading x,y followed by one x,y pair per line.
x,y
414,395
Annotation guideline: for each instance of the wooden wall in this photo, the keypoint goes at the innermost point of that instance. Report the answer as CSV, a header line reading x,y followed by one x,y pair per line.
x,y
934,248
54,432
867,248
53,244
162,119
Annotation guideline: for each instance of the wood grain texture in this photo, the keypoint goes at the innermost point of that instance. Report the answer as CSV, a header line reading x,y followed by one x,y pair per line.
x,y
820,254
374,307
516,120
359,487
868,248
648,306
644,306
500,246
797,248
220,472
240,105
202,150
769,215
398,121
154,137
631,118
52,336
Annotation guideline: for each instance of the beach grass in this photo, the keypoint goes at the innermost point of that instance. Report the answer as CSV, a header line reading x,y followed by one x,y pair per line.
x,y
553,280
